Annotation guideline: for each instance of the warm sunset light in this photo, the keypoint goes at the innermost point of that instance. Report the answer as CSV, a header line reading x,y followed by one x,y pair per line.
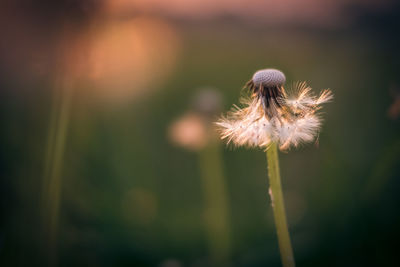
x,y
199,133
128,58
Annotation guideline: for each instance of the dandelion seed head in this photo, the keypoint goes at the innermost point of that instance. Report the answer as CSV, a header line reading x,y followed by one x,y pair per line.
x,y
269,114
269,77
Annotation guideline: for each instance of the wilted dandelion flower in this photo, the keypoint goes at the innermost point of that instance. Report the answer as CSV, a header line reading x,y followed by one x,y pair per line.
x,y
270,114
190,131
195,130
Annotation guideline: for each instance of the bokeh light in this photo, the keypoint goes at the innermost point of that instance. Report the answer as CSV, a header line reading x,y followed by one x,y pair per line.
x,y
109,155
129,58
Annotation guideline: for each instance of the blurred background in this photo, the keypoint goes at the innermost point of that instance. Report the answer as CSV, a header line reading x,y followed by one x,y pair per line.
x,y
108,153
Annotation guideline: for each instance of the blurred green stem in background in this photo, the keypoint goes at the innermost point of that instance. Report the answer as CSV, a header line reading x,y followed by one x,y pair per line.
x,y
217,203
51,185
278,206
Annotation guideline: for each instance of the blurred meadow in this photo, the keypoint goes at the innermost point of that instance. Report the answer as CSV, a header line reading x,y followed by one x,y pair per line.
x,y
108,152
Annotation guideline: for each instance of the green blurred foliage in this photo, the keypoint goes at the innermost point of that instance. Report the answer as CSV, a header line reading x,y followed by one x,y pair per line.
x,y
130,197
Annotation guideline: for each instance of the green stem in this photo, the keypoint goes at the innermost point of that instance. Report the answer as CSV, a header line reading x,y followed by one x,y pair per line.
x,y
52,182
278,207
216,203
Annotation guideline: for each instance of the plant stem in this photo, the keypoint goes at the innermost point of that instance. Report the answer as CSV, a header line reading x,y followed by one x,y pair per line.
x,y
216,203
52,182
278,207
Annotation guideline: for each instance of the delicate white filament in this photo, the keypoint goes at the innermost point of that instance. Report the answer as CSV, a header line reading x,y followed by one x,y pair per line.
x,y
295,123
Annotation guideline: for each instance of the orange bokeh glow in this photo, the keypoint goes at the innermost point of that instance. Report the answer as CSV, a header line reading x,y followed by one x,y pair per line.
x,y
190,131
120,59
128,58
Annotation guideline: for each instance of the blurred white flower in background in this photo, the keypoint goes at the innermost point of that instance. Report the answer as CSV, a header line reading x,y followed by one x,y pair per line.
x,y
194,129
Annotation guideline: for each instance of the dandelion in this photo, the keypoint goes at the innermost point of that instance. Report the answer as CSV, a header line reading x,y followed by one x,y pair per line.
x,y
194,131
272,117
